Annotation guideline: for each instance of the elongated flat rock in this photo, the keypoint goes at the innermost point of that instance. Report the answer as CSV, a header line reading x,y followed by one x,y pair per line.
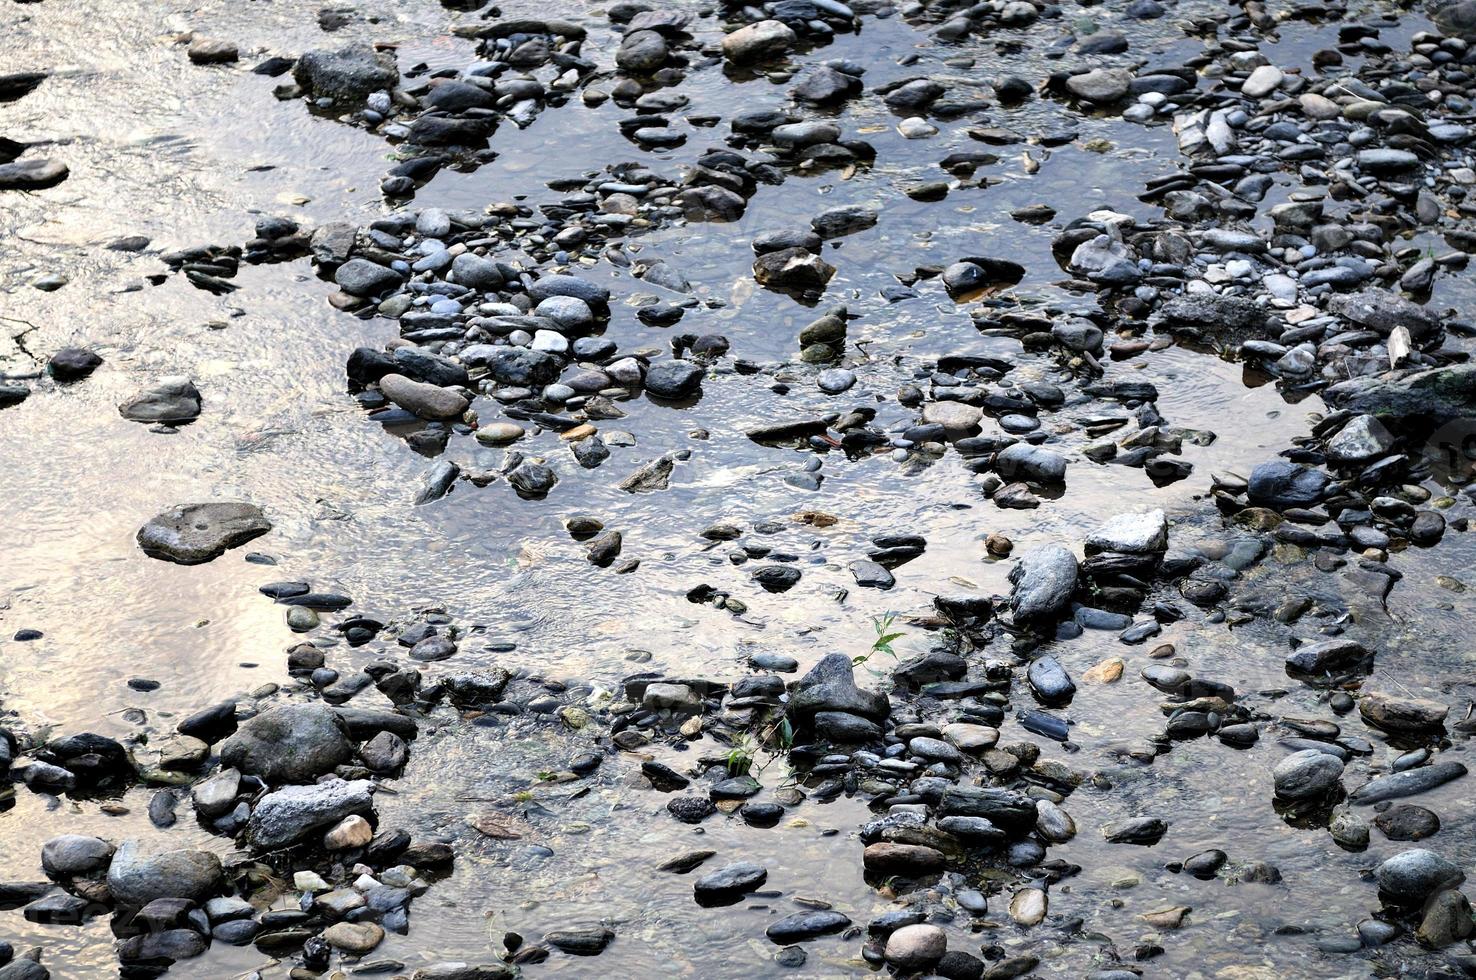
x,y
1407,783
192,534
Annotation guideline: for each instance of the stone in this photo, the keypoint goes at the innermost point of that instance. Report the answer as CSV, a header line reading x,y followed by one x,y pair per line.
x,y
1307,775
1410,877
360,277
729,883
211,51
349,74
674,379
32,174
1044,579
916,948
792,268
75,855
171,400
1401,715
135,878
1133,534
830,686
354,937
350,832
1447,920
293,813
1264,80
192,534
809,924
1363,438
289,744
425,400
1281,484
758,41
1100,86
73,364
956,418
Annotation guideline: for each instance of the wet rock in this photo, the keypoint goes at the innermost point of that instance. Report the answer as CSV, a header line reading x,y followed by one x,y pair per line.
x,y
831,686
171,400
75,855
1281,484
354,937
1406,822
803,926
916,948
289,744
1132,534
295,813
1408,783
758,41
212,51
1100,86
1396,714
136,878
191,534
1412,876
730,883
674,379
425,400
349,74
1327,656
1441,393
74,364
360,277
1044,580
1307,775
913,860
32,174
792,268
1447,920
580,942
1135,830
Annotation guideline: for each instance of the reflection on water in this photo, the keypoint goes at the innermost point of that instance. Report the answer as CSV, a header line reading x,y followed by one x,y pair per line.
x,y
187,155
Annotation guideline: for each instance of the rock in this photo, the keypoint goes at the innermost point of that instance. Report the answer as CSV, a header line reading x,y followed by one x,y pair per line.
x,y
1401,715
1440,394
1307,775
810,924
349,74
425,400
580,942
1281,484
210,51
295,813
75,855
191,534
31,174
755,42
1447,920
294,743
74,364
957,418
171,400
1133,534
1044,580
1050,681
674,379
1135,830
792,268
1026,462
360,277
135,879
350,832
912,860
1327,656
1383,312
831,686
729,883
476,272
1410,877
1264,80
1407,822
1362,439
353,937
916,948
1408,783
1100,86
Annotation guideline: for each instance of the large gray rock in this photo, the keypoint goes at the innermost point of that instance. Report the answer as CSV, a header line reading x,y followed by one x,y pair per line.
x,y
1100,86
1282,484
1382,311
1133,534
73,855
831,685
1044,580
136,878
348,74
1023,461
755,42
31,174
675,378
173,399
597,296
294,813
522,366
1441,393
294,743
475,272
1412,876
425,400
1362,439
360,277
192,534
1307,775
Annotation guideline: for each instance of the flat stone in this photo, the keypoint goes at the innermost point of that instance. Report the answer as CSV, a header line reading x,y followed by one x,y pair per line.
x,y
192,534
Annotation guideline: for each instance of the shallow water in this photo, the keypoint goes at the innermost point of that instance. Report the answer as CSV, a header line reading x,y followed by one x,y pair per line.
x,y
189,154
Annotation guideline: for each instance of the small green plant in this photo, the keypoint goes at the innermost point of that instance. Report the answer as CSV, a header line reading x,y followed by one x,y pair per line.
x,y
740,757
884,637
